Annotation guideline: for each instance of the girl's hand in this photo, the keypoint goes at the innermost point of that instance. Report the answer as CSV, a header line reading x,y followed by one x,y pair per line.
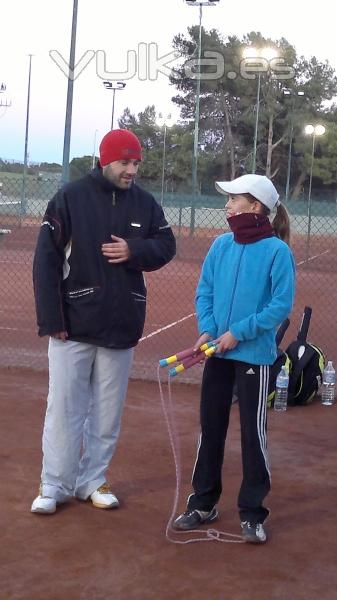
x,y
205,337
226,341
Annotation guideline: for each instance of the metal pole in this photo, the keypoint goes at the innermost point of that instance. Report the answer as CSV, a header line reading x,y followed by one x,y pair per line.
x,y
67,126
23,206
307,249
256,121
196,136
163,168
94,150
113,108
291,133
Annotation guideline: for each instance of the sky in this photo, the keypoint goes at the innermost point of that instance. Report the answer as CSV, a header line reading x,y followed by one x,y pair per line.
x,y
114,28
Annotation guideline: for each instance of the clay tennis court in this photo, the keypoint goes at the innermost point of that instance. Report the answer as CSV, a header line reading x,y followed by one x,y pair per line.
x,y
88,554
170,324
85,553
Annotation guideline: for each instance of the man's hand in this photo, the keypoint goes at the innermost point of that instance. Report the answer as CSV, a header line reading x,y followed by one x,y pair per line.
x,y
60,335
226,341
116,251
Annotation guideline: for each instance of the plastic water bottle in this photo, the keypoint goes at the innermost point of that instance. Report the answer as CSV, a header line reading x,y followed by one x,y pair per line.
x,y
328,386
281,393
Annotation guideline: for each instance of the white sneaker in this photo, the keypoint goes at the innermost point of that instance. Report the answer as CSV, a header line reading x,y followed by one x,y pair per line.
x,y
43,505
104,498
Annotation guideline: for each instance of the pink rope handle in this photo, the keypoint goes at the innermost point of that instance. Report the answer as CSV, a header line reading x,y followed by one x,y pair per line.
x,y
183,354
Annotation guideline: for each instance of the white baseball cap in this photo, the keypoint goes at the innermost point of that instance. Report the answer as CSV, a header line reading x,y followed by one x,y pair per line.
x,y
258,186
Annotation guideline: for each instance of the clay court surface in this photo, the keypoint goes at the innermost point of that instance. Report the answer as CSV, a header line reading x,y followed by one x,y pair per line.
x,y
83,553
170,324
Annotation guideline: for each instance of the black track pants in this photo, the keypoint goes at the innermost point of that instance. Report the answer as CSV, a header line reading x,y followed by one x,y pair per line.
x,y
216,401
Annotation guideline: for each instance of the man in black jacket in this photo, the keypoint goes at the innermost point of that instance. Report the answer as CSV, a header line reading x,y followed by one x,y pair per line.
x,y
98,235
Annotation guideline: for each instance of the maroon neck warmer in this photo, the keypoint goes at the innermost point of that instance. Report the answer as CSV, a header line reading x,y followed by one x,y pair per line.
x,y
250,227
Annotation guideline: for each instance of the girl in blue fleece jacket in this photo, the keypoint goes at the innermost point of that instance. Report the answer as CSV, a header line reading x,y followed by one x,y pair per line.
x,y
246,289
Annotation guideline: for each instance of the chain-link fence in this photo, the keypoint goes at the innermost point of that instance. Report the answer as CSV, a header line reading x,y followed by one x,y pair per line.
x,y
170,324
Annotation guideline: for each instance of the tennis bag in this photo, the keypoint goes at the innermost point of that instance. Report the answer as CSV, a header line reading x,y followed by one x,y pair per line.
x,y
307,364
282,360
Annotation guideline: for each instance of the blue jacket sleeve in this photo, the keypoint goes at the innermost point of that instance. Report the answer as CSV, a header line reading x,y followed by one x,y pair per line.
x,y
204,296
281,303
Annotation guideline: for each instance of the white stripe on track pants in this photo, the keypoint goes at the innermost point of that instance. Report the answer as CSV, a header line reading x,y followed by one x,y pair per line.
x,y
216,403
87,389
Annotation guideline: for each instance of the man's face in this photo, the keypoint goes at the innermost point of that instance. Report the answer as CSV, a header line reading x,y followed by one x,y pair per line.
x,y
121,172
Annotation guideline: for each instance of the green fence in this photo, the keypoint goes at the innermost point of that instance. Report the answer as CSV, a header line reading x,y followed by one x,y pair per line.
x,y
170,324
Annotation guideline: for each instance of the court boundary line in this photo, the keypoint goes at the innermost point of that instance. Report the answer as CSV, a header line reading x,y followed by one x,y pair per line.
x,y
170,325
146,337
311,258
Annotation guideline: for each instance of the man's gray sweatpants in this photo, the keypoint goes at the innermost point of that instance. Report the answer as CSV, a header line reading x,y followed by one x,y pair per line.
x,y
87,388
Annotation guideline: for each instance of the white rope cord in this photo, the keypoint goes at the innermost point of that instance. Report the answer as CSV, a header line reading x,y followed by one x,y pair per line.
x,y
208,535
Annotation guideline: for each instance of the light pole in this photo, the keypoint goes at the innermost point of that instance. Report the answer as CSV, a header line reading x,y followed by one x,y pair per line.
x,y
119,85
291,135
94,150
163,122
199,3
311,130
23,206
252,53
70,90
256,121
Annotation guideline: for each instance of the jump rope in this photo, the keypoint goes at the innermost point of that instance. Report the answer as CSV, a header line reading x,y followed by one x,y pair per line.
x,y
188,358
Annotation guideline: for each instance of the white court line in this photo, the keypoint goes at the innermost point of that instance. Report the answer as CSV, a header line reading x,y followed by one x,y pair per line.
x,y
17,329
13,262
146,337
312,258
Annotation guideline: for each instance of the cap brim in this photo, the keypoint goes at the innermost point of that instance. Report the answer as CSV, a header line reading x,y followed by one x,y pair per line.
x,y
230,187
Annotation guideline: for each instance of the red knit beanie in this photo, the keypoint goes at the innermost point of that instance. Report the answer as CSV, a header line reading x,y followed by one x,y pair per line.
x,y
119,144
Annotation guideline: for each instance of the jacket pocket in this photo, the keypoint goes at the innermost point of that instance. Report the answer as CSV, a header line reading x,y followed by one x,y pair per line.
x,y
84,311
139,302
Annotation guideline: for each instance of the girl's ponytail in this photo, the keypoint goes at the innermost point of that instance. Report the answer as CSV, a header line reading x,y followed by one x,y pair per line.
x,y
281,224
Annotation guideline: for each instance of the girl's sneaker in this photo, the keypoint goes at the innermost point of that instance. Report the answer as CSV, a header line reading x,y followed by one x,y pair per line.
x,y
253,533
192,519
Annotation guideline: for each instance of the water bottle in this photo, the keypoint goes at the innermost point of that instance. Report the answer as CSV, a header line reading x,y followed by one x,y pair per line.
x,y
328,386
281,393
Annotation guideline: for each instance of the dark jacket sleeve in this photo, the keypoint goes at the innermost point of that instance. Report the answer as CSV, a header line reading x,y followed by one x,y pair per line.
x,y
48,262
158,248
